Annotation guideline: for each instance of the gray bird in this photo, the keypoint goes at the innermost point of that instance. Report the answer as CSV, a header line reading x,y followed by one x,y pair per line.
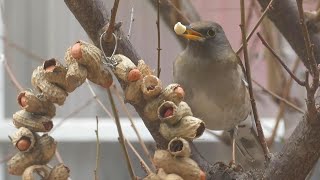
x,y
216,91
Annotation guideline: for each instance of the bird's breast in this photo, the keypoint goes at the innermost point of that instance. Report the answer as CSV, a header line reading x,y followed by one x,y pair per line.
x,y
215,93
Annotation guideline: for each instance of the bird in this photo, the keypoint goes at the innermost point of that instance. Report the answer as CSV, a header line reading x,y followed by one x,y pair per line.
x,y
209,71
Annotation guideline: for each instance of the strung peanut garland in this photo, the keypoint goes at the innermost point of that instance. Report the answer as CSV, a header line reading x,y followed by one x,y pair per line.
x,y
53,81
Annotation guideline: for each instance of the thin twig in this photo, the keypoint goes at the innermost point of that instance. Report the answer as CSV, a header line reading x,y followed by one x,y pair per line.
x,y
248,74
7,157
12,76
158,28
179,12
23,50
131,21
249,15
117,121
311,62
279,98
74,112
257,24
142,162
285,95
111,27
58,156
302,83
124,107
121,138
96,175
309,47
98,100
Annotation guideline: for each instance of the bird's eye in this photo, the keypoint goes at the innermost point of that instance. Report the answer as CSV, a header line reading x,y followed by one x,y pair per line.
x,y
211,33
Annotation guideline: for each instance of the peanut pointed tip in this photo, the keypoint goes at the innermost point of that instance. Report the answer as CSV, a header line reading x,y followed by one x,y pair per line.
x,y
134,75
76,51
202,175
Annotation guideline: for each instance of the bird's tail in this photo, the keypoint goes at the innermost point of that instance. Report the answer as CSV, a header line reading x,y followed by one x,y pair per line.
x,y
249,150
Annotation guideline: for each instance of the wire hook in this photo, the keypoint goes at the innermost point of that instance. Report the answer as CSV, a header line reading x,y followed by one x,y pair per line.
x,y
109,61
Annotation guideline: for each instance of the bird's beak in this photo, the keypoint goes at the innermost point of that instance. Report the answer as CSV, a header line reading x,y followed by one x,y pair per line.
x,y
192,34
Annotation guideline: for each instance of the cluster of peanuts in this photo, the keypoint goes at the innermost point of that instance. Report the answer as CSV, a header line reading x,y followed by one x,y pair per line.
x,y
177,124
53,82
141,88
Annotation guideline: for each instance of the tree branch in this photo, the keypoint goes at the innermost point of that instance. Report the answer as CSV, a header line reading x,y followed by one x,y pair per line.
x,y
248,75
158,31
111,27
301,152
285,17
293,76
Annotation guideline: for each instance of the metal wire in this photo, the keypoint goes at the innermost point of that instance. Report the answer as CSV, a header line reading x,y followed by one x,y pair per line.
x,y
109,61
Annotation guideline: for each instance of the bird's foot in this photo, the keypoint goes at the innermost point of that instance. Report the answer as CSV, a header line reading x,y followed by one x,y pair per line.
x,y
234,166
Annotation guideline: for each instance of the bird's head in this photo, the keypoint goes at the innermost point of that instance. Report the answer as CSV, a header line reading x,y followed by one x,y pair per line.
x,y
204,36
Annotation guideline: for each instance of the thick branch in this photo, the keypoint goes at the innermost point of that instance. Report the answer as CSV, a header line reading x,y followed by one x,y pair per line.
x,y
284,15
299,155
301,151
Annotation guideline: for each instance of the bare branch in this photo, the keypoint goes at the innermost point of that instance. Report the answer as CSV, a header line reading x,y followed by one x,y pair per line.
x,y
144,165
158,29
143,145
121,137
12,76
73,113
301,83
96,175
257,24
111,27
285,95
248,75
172,13
286,18
279,98
311,63
131,21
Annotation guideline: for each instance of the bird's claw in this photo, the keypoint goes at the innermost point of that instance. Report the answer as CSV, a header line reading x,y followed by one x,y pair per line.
x,y
234,166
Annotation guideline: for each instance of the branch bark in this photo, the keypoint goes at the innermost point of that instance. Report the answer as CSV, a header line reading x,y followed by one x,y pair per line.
x,y
94,19
301,152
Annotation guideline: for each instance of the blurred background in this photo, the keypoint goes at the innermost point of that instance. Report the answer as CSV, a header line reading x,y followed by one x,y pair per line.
x,y
35,30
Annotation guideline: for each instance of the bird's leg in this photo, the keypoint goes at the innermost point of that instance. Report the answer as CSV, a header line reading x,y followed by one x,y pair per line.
x,y
233,134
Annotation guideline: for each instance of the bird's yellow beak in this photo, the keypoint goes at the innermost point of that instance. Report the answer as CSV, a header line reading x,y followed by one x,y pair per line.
x,y
187,32
192,34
